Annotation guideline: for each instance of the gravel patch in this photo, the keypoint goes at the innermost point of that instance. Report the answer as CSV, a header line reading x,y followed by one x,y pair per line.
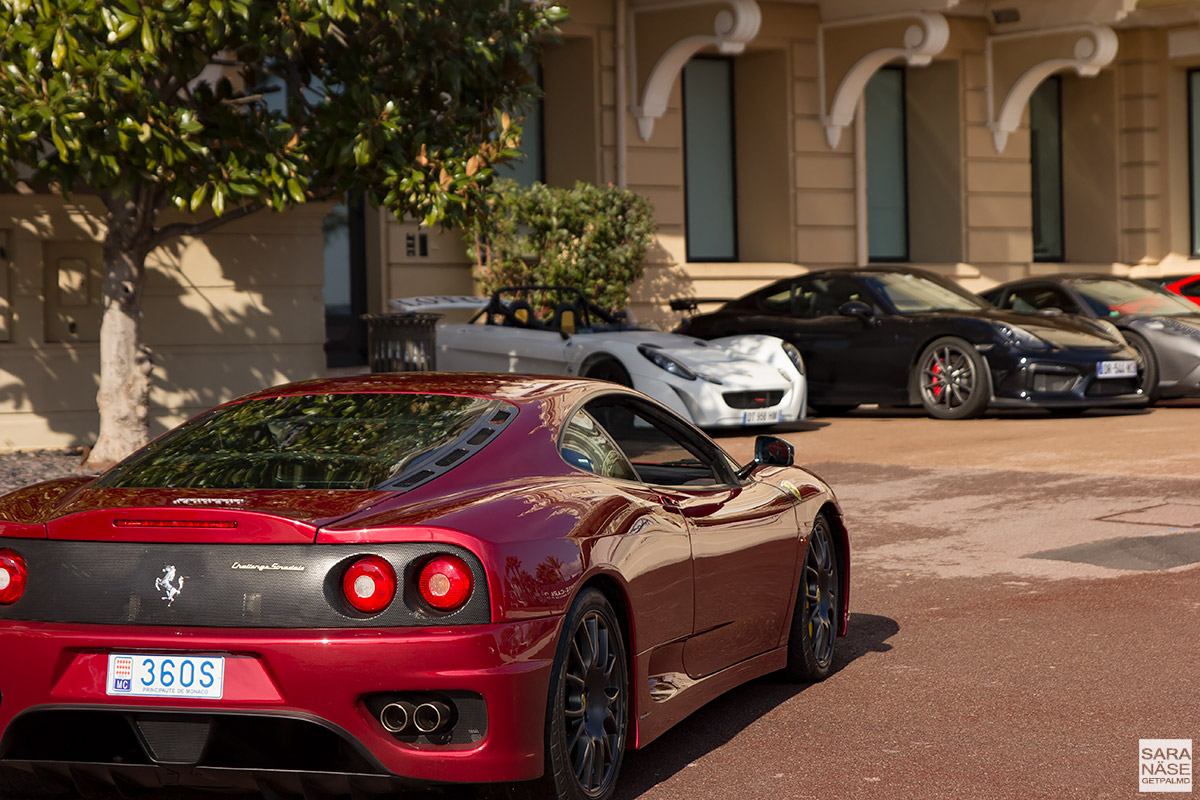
x,y
31,466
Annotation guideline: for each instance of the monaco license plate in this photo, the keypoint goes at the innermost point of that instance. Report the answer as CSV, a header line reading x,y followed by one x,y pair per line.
x,y
165,676
760,416
1116,369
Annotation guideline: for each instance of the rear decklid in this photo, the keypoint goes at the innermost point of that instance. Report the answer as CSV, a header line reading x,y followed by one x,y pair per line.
x,y
229,515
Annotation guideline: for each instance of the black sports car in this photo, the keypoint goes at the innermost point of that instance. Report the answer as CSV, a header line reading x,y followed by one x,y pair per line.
x,y
895,336
1161,326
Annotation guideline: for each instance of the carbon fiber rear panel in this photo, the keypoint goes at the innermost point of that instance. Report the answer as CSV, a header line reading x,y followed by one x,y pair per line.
x,y
224,585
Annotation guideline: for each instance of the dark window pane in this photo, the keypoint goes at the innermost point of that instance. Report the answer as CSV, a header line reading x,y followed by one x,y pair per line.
x,y
708,160
887,173
1045,155
345,287
530,168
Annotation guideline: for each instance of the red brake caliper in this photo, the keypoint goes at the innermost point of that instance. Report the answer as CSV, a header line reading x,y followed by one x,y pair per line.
x,y
937,379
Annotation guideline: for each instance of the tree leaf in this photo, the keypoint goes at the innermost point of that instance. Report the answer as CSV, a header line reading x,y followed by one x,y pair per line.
x,y
295,191
58,53
198,197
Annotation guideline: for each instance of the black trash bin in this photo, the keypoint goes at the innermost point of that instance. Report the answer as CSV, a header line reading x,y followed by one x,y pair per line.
x,y
402,342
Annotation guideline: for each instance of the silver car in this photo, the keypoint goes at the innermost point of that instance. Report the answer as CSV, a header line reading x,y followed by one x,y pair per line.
x,y
1162,327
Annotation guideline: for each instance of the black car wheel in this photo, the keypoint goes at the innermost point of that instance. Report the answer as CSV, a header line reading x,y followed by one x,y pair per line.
x,y
815,619
951,379
607,369
1147,374
587,711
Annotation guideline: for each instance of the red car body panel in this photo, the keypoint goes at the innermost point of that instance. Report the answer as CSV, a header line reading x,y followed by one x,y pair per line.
x,y
705,579
288,673
1189,282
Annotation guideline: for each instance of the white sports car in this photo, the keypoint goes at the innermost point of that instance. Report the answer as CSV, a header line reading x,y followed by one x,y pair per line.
x,y
728,382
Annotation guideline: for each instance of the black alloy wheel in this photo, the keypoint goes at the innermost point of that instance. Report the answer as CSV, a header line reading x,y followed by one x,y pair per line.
x,y
1147,370
608,369
587,712
951,379
815,619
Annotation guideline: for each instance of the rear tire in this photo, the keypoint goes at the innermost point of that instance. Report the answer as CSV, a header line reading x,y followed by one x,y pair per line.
x,y
1147,365
818,608
587,711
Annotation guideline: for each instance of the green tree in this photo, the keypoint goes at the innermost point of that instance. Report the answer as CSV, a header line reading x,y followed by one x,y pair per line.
x,y
590,237
155,105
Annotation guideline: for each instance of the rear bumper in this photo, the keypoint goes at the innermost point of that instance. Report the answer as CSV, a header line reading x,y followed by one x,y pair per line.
x,y
310,679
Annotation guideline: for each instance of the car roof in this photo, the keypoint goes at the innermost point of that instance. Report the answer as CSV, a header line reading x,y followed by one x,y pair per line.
x,y
875,270
1063,276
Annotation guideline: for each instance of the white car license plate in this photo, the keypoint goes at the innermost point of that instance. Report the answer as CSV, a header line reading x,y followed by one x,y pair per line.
x,y
165,676
760,416
1116,369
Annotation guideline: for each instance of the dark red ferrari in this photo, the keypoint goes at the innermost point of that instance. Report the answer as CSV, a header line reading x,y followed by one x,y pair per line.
x,y
357,586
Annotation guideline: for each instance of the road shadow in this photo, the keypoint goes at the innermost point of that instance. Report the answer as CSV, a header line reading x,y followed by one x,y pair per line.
x,y
910,412
801,426
725,717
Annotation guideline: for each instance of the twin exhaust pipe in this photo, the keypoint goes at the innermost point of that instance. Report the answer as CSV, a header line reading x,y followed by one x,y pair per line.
x,y
429,718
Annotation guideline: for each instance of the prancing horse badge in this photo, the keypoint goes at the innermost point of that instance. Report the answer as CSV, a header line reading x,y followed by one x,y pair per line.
x,y
168,584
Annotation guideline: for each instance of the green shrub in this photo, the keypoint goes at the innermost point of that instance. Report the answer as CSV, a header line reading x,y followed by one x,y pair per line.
x,y
591,237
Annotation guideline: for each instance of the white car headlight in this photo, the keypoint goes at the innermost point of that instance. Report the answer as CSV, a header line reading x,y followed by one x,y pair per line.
x,y
666,362
793,355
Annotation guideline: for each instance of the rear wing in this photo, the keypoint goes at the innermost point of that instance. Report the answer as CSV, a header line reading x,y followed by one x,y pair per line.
x,y
693,303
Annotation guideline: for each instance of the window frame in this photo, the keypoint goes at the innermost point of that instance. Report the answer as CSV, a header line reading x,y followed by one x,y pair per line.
x,y
722,466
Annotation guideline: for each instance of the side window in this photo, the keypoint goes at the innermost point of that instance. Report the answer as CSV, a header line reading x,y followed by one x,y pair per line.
x,y
1015,302
822,297
660,453
1035,298
781,301
585,445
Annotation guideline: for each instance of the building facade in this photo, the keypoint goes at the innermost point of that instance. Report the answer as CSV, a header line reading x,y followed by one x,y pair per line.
x,y
982,139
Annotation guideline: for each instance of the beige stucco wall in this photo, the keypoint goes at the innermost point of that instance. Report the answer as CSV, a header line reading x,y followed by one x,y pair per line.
x,y
1125,202
242,308
236,311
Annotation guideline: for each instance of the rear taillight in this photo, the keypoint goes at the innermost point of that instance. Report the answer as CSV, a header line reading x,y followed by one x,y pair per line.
x,y
369,584
445,583
12,577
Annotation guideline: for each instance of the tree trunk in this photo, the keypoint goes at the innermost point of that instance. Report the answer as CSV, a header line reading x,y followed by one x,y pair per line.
x,y
125,364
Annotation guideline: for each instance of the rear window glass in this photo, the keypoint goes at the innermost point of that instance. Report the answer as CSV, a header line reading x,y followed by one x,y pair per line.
x,y
314,441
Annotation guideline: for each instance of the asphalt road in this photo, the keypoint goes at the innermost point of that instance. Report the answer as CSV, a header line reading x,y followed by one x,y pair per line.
x,y
1025,608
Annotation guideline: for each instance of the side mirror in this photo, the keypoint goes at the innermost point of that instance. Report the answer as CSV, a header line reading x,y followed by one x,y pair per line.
x,y
857,309
773,451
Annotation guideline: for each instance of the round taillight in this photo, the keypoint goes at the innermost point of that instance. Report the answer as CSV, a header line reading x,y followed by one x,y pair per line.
x,y
12,577
445,583
369,584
